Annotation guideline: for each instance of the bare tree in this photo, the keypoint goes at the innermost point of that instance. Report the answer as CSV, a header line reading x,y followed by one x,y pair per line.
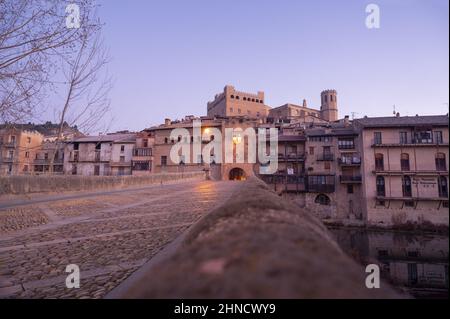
x,y
32,34
86,84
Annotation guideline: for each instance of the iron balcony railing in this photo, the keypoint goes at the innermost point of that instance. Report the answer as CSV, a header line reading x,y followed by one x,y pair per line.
x,y
321,188
349,161
350,179
325,157
8,144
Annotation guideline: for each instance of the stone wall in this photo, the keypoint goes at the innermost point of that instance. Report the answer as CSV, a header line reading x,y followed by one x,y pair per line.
x,y
256,245
24,184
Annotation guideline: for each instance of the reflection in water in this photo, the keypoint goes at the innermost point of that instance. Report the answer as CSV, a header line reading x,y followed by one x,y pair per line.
x,y
415,263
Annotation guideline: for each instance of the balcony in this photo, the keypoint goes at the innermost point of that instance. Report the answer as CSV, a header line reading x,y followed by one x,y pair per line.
x,y
325,157
349,161
8,144
412,172
288,183
321,188
408,143
291,157
8,159
120,164
42,161
142,152
354,179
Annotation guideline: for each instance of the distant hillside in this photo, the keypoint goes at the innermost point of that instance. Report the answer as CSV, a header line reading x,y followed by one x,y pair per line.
x,y
46,129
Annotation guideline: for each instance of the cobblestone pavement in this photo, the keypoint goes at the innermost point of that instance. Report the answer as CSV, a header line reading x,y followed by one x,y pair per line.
x,y
108,236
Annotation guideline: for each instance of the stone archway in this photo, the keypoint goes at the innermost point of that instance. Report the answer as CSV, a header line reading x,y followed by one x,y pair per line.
x,y
236,174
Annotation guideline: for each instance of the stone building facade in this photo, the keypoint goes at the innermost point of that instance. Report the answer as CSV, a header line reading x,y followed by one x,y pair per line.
x,y
18,148
104,155
142,160
235,103
405,169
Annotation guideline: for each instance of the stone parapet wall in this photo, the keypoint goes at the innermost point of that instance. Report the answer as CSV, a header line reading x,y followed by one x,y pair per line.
x,y
256,245
23,184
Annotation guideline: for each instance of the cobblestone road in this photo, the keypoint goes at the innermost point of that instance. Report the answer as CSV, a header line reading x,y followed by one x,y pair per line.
x,y
108,236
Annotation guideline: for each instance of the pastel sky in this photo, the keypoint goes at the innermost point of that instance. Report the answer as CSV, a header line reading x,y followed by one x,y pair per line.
x,y
170,57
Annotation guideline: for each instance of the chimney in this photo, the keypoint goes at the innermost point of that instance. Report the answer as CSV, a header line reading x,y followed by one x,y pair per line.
x,y
346,121
167,122
304,103
397,114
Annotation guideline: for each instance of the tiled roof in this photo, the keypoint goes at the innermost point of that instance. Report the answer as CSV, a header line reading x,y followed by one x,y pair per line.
x,y
115,138
438,120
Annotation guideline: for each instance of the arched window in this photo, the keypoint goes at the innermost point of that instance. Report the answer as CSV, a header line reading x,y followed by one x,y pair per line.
x,y
381,191
443,188
379,162
440,162
232,96
322,199
404,162
406,186
166,140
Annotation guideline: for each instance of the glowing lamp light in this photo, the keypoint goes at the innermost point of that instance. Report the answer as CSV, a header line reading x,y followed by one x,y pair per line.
x,y
237,139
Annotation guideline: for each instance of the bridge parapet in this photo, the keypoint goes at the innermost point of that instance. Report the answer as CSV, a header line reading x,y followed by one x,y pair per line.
x,y
254,246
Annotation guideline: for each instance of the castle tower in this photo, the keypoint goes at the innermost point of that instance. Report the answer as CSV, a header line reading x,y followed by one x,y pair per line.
x,y
328,107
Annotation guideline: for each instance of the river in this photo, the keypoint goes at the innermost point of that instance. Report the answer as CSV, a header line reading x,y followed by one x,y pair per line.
x,y
415,263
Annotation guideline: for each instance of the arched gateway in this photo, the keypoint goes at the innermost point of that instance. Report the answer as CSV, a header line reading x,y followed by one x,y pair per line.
x,y
236,174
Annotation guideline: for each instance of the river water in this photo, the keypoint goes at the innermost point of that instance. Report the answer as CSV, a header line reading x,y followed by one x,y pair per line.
x,y
411,262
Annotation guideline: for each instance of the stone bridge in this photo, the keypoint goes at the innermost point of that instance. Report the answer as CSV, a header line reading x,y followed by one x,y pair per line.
x,y
180,239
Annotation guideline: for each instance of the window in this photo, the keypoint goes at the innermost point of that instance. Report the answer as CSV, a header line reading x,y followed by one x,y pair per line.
x,y
74,170
239,111
28,140
166,140
257,114
145,143
179,138
404,162
122,148
12,139
122,159
406,186
377,138
326,165
237,97
349,189
440,162
322,199
311,150
381,191
438,137
232,96
379,162
231,110
347,143
76,146
98,146
96,170
409,203
403,137
443,188
423,137
163,160
46,156
25,168
27,154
